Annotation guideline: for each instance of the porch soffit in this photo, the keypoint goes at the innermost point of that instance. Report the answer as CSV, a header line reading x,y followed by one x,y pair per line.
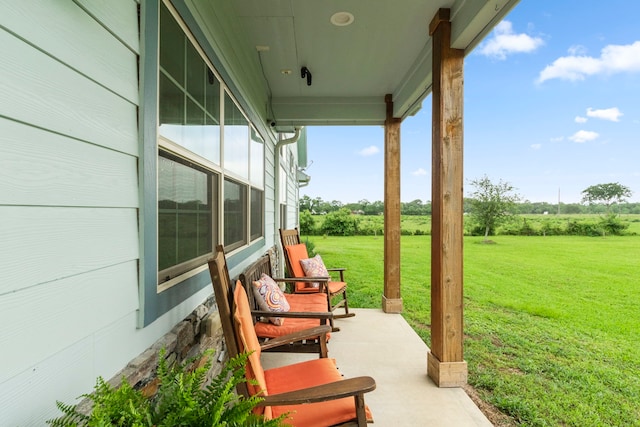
x,y
387,49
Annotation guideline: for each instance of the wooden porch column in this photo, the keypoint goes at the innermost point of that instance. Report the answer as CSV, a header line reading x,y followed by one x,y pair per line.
x,y
446,365
391,301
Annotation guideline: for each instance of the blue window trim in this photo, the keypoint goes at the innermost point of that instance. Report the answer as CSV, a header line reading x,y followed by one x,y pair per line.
x,y
153,304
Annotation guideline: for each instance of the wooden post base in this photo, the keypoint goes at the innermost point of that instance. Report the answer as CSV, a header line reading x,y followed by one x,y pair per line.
x,y
446,374
391,305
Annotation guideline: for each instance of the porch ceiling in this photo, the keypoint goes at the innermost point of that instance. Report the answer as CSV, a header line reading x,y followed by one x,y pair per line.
x,y
387,49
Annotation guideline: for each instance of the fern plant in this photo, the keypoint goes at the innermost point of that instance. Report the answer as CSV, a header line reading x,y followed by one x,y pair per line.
x,y
181,400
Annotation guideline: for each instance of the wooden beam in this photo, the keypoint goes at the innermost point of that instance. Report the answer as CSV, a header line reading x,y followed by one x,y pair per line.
x,y
391,300
446,365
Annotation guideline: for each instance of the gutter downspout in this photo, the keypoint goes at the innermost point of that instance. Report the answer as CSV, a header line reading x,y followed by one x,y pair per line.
x,y
278,184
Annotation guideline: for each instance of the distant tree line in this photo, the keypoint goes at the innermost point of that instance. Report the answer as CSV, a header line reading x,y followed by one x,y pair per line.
x,y
318,206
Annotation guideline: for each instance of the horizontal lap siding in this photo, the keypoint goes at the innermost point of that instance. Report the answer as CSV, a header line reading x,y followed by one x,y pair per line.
x,y
40,91
53,243
77,40
64,311
38,167
269,195
68,200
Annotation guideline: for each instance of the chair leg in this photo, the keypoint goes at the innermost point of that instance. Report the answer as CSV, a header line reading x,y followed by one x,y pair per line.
x,y
360,410
346,308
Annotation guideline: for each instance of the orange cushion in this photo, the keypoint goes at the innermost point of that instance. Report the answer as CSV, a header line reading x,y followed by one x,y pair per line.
x,y
311,302
248,340
300,303
269,330
295,253
307,374
335,287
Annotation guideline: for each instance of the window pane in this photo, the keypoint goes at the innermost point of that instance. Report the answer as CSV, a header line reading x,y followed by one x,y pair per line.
x,y
196,71
172,42
212,118
235,214
185,214
256,213
236,140
189,110
257,160
171,112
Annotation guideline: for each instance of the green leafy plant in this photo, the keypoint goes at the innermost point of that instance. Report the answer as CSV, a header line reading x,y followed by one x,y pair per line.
x,y
340,223
181,399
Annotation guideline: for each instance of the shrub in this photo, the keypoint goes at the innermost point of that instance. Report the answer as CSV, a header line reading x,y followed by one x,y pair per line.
x,y
576,228
307,223
311,247
613,225
340,223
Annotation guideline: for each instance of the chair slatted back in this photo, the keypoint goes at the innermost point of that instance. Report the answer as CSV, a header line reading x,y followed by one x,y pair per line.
x,y
252,274
222,289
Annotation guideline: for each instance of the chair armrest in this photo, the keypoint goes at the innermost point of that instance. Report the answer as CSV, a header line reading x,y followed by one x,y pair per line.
x,y
302,279
323,281
332,391
316,332
294,314
340,270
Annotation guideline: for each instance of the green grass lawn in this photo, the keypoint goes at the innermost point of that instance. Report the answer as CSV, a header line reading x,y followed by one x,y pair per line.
x,y
552,324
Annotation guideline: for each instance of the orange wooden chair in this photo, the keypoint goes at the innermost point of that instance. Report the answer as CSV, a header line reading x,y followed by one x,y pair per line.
x,y
313,393
294,252
307,314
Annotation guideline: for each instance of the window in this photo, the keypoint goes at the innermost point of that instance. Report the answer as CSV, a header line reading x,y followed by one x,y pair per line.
x,y
186,216
206,145
235,214
257,209
236,139
256,174
189,109
183,173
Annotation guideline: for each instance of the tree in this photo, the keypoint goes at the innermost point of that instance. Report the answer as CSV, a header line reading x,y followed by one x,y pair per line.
x,y
608,194
492,203
306,203
307,223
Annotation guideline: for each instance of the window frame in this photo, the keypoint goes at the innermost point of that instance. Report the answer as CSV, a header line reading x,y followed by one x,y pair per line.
x,y
156,300
173,275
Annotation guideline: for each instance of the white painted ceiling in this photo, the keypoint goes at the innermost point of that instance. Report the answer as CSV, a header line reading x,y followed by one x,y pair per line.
x,y
386,50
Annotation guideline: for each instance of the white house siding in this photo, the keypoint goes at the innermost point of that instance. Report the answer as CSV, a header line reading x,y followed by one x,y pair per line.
x,y
68,201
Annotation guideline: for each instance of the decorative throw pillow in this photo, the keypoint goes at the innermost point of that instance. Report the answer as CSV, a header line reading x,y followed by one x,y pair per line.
x,y
270,297
314,267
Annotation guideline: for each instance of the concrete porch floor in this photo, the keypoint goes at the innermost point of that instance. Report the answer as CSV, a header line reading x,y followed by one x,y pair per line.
x,y
385,347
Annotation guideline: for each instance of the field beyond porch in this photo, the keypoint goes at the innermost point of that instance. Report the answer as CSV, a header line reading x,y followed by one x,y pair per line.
x,y
551,323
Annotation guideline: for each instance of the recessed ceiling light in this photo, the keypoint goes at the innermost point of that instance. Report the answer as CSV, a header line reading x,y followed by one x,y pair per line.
x,y
286,72
342,19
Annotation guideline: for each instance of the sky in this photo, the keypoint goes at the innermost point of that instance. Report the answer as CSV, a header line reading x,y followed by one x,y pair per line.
x,y
551,106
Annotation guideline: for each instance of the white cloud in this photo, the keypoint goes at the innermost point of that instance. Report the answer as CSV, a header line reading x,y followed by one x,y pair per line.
x,y
369,151
580,119
584,136
612,114
577,50
557,139
504,42
419,172
536,146
576,66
